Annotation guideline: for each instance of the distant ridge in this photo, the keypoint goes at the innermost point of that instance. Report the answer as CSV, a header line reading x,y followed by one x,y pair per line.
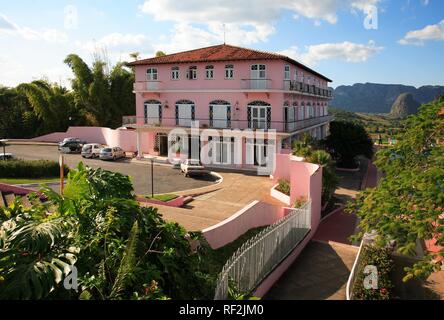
x,y
379,98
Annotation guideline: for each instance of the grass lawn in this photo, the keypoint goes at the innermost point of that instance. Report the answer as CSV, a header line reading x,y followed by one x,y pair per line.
x,y
163,197
217,258
28,180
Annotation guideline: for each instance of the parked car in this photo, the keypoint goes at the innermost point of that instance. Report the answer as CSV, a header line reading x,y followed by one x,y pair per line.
x,y
91,150
71,147
112,153
72,139
192,167
6,156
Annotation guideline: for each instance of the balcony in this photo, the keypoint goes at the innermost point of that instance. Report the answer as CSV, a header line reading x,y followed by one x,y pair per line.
x,y
144,86
296,86
255,84
204,123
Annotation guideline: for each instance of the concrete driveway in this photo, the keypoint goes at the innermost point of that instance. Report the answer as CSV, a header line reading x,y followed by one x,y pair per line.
x,y
166,179
213,202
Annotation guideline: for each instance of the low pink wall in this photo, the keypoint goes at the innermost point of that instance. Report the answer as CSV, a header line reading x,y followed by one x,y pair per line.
x,y
177,202
126,139
306,181
256,214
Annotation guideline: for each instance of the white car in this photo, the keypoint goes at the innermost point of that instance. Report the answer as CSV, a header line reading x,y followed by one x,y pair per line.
x,y
192,167
113,153
91,150
6,156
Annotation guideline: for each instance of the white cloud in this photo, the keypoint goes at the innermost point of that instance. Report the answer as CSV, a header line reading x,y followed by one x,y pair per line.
x,y
200,22
114,40
428,33
9,28
346,51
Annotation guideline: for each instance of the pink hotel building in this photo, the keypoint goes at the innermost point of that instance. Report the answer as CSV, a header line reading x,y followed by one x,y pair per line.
x,y
227,87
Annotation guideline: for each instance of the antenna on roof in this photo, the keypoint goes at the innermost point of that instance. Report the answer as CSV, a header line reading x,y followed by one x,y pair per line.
x,y
224,32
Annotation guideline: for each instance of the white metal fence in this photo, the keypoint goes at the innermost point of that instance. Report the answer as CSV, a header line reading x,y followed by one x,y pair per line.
x,y
257,257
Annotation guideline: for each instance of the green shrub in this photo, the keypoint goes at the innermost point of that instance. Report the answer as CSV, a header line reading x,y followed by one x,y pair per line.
x,y
381,259
283,186
30,169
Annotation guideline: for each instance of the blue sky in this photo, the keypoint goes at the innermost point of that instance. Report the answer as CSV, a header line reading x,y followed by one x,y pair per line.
x,y
404,47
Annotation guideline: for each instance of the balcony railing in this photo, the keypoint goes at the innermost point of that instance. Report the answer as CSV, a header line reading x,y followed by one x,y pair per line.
x,y
290,85
256,84
203,123
141,86
246,84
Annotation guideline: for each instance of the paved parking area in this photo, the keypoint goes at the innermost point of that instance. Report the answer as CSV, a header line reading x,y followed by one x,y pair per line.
x,y
166,179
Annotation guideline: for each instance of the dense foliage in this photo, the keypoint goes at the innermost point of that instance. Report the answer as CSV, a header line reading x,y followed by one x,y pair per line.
x,y
100,96
29,169
120,250
346,141
311,150
381,259
103,96
408,202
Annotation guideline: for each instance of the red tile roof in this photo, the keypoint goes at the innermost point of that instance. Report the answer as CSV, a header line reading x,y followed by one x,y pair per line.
x,y
222,52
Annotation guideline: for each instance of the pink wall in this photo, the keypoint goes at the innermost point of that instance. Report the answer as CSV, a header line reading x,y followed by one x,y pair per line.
x,y
202,91
306,180
254,215
126,139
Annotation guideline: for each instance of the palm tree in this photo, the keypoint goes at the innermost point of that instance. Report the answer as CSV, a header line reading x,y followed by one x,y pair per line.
x,y
135,55
50,102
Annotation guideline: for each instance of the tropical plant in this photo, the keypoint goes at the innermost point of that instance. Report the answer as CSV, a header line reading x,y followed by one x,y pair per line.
x,y
120,250
51,103
407,205
104,97
329,179
346,141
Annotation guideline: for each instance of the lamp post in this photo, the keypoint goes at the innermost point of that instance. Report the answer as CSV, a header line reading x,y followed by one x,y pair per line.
x,y
152,176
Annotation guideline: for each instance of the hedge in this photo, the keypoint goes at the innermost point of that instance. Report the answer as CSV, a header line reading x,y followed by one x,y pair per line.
x,y
381,259
30,169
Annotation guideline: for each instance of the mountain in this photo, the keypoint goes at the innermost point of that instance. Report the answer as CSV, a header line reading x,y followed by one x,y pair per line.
x,y
379,98
404,105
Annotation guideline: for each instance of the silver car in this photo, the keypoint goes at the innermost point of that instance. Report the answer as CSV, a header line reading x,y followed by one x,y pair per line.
x,y
112,153
91,150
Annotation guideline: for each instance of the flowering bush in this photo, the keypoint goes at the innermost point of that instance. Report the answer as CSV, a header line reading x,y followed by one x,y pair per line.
x,y
381,259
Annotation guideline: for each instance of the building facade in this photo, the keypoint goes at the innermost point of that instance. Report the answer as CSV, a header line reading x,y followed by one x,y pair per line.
x,y
230,90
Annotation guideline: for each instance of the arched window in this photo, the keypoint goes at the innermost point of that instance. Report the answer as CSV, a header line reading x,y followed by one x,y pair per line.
x,y
184,113
259,115
220,114
152,111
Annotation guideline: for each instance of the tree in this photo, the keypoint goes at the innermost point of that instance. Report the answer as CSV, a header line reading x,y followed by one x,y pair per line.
x,y
346,141
17,118
310,149
51,103
160,54
135,55
407,205
104,97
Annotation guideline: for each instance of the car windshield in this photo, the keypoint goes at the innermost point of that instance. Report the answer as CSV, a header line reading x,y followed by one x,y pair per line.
x,y
86,148
106,150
